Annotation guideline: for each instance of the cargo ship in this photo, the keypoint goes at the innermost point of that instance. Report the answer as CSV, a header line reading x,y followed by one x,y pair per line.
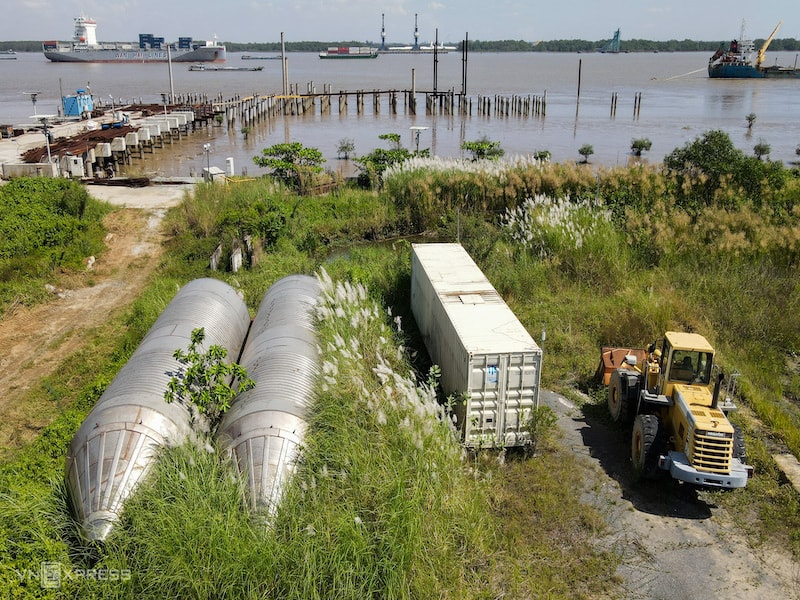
x,y
345,52
85,48
737,61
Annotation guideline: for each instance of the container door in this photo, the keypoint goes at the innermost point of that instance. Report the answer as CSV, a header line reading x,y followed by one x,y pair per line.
x,y
503,392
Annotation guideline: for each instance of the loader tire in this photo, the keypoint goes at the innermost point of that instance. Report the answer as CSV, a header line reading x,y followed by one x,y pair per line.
x,y
739,450
648,440
620,405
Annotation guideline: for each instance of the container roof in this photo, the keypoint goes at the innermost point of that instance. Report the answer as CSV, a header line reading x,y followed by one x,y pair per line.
x,y
481,317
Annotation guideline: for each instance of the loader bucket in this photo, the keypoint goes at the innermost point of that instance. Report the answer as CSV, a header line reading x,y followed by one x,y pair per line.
x,y
613,358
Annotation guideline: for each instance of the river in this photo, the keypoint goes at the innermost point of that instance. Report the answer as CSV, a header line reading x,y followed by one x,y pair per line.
x,y
678,103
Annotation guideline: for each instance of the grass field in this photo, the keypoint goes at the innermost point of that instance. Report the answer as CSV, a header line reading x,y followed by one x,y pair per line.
x,y
386,504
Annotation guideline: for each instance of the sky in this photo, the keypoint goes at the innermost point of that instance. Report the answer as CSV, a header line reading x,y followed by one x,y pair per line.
x,y
360,20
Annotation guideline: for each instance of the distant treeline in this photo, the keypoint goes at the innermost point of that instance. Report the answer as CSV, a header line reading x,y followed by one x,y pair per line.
x,y
785,44
778,45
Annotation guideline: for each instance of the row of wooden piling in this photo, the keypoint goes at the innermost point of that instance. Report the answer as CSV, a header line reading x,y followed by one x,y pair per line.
x,y
252,109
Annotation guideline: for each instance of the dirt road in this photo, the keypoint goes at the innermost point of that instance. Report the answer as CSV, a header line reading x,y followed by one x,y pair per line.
x,y
674,541
35,340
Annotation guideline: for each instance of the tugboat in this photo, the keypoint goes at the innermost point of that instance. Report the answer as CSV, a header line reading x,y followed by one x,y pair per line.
x,y
737,62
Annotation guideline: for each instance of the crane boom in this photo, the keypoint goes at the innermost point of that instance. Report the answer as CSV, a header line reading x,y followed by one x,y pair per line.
x,y
763,50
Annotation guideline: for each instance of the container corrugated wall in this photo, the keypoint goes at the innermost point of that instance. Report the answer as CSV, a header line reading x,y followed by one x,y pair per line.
x,y
118,442
266,424
483,350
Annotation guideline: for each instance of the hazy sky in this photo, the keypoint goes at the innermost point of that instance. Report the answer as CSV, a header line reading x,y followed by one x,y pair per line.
x,y
331,20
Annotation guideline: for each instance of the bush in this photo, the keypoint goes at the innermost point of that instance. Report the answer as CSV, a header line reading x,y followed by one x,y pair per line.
x,y
47,225
291,163
710,163
483,148
640,145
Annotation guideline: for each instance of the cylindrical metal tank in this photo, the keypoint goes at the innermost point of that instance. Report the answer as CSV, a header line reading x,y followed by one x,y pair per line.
x,y
266,424
118,441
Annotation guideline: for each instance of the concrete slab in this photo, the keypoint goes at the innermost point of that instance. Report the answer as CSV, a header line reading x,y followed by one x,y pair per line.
x,y
150,197
788,464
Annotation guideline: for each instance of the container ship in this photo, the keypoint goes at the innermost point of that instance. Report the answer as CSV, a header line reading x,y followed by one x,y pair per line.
x,y
85,48
737,61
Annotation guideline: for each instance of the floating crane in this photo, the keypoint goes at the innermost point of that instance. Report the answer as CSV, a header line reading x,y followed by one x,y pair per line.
x,y
763,50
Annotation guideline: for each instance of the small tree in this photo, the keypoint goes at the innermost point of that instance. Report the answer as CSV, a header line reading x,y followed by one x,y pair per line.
x,y
586,151
291,162
483,148
797,150
345,147
751,118
392,137
761,149
542,155
640,145
203,380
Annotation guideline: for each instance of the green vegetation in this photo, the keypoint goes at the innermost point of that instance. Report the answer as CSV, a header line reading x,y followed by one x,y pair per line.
x,y
372,166
586,151
483,148
47,225
640,145
203,382
345,148
383,504
761,149
291,163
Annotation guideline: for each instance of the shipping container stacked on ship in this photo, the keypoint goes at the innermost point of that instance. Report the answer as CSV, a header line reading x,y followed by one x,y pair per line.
x,y
486,355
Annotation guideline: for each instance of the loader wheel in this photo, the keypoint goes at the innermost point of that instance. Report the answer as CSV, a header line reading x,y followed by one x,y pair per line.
x,y
648,440
619,404
739,450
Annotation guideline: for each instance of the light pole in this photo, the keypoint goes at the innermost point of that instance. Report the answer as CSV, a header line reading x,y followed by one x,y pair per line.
x,y
46,138
207,150
416,130
44,120
33,100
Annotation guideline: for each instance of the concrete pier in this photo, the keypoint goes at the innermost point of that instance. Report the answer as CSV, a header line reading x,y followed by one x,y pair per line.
x,y
154,127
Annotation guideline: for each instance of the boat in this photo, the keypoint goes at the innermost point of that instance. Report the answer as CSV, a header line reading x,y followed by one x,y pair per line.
x,y
737,61
202,67
8,55
84,47
347,52
253,57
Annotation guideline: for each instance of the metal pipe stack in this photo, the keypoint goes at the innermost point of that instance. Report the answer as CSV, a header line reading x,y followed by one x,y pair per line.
x,y
119,440
266,424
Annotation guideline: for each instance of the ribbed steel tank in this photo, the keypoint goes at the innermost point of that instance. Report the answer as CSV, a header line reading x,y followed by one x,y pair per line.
x,y
119,440
266,424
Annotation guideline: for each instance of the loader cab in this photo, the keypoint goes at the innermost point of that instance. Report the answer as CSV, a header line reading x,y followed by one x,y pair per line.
x,y
686,358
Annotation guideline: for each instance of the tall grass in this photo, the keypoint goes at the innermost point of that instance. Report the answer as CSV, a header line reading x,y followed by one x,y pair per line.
x,y
384,504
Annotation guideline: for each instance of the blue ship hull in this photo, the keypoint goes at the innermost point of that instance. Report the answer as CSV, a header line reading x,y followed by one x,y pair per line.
x,y
740,71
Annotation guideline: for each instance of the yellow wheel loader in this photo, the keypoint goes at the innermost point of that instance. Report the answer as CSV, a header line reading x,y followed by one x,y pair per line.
x,y
666,395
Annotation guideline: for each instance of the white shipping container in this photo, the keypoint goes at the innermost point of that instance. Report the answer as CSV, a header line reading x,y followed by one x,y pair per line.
x,y
485,354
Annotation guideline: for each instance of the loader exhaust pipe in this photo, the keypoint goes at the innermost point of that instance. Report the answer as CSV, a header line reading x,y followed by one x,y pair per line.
x,y
717,387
